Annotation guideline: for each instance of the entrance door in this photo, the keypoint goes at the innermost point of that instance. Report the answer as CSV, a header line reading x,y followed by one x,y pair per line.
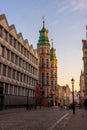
x,y
1,102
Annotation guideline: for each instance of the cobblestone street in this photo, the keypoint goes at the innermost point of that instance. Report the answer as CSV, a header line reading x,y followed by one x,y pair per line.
x,y
40,119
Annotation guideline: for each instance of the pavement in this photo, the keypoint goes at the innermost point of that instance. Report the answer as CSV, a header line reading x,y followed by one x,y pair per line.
x,y
43,119
78,121
52,118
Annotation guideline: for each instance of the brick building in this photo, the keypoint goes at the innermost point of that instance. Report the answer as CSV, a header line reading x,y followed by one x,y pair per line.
x,y
47,66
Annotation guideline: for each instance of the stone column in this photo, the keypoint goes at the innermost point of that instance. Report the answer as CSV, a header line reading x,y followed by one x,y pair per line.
x,y
3,88
3,33
0,50
8,89
1,69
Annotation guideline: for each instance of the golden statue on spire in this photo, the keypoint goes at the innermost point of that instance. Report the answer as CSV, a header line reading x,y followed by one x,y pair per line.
x,y
43,22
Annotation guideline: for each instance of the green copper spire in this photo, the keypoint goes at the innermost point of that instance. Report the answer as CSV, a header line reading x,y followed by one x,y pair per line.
x,y
52,53
43,38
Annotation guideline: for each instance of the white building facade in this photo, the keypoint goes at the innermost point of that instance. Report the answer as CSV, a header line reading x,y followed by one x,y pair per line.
x,y
18,67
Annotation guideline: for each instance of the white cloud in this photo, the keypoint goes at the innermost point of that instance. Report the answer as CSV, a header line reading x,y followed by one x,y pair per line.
x,y
73,5
63,8
54,22
79,5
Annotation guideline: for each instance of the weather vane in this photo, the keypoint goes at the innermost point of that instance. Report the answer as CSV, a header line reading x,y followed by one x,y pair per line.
x,y
43,22
43,18
52,40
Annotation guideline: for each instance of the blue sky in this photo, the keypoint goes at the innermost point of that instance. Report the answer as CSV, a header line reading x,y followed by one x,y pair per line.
x,y
65,20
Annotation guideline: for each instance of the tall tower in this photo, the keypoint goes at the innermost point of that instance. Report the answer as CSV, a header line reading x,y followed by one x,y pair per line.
x,y
43,48
85,62
53,61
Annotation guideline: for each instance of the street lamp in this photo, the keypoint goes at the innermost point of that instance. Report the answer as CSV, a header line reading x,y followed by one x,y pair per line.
x,y
72,81
27,99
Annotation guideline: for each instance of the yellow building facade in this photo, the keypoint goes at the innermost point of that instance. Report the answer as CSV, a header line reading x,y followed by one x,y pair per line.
x,y
85,64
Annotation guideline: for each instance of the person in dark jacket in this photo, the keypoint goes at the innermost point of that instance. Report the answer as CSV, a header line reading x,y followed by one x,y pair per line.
x,y
85,104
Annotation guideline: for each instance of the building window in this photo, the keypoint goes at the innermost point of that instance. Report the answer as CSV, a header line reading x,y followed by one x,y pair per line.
x,y
42,52
4,70
47,63
1,84
22,49
55,74
15,90
24,78
55,85
17,75
9,72
23,91
16,58
10,39
27,79
30,56
8,54
48,52
0,31
51,74
25,51
19,61
52,84
47,77
6,88
14,43
0,68
11,90
18,46
43,64
13,75
6,35
19,90
52,65
1,88
43,79
12,57
3,51
27,54
21,77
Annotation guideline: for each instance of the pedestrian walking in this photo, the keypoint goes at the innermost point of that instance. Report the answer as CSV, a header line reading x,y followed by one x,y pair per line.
x,y
85,104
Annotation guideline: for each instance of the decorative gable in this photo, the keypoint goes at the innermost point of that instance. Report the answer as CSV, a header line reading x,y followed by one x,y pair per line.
x,y
3,21
26,44
31,48
20,38
13,30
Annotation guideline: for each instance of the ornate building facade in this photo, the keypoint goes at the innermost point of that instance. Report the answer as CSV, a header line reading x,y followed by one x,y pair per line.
x,y
18,67
47,65
85,63
82,88
53,69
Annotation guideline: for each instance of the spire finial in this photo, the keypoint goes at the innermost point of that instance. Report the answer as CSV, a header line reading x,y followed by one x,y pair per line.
x,y
43,22
52,42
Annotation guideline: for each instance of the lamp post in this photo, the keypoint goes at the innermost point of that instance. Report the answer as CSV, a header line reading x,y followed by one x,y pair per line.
x,y
72,81
27,100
